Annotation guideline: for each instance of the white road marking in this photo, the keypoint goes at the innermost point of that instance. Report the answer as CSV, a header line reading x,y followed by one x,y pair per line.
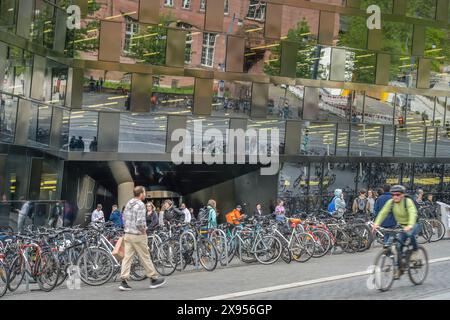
x,y
300,284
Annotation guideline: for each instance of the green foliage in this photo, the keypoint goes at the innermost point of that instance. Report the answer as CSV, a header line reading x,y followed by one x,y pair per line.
x,y
306,51
150,45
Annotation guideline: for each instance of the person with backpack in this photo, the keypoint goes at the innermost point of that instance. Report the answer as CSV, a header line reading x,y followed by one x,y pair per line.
x,y
405,212
337,205
234,217
360,203
212,214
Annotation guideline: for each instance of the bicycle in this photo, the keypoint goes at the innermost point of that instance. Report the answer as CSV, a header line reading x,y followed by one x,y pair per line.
x,y
391,261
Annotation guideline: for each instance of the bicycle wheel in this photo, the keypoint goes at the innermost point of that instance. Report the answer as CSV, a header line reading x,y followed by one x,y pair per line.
x,y
4,277
286,254
137,272
245,250
207,254
438,230
384,270
364,234
167,257
418,268
303,247
222,247
48,271
16,273
96,266
268,250
322,243
425,232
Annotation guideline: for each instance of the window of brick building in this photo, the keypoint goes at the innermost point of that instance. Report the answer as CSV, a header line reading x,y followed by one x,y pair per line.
x,y
202,5
188,47
256,10
131,29
209,40
168,3
186,4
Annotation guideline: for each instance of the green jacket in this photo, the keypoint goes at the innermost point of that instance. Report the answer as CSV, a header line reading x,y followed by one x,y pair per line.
x,y
212,218
404,217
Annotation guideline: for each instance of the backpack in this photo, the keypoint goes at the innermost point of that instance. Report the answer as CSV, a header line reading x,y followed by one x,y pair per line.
x,y
404,203
332,206
361,204
203,214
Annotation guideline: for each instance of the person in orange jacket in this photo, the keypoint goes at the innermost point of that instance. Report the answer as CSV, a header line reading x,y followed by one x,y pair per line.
x,y
235,216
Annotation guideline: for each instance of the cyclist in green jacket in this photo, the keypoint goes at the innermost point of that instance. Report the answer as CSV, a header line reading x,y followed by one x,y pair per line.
x,y
405,213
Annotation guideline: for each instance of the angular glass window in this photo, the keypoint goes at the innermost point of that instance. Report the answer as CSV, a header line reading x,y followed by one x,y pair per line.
x,y
8,114
285,101
409,141
425,9
366,140
256,10
318,139
83,130
172,95
142,134
232,98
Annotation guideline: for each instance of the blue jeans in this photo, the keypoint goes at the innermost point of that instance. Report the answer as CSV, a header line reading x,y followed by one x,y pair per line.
x,y
412,235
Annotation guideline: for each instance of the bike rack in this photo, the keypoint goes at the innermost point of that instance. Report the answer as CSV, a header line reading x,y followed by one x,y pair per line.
x,y
222,233
190,234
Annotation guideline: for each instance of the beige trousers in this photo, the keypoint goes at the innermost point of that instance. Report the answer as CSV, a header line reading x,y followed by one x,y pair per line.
x,y
137,244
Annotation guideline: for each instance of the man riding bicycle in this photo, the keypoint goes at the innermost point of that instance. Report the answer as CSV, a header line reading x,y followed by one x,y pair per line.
x,y
405,213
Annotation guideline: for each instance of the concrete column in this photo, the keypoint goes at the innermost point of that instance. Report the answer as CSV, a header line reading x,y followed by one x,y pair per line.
x,y
124,193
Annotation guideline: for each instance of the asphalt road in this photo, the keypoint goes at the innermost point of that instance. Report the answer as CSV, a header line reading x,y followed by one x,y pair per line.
x,y
339,276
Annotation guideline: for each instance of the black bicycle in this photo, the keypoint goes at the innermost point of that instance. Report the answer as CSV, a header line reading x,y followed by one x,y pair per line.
x,y
391,262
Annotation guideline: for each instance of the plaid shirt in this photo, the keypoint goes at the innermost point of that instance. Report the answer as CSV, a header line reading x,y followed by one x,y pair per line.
x,y
134,217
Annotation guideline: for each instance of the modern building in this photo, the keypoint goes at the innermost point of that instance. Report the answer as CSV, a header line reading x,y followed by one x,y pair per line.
x,y
88,110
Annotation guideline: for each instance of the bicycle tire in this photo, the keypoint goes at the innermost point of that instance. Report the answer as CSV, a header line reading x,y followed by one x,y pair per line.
x,y
167,256
50,267
16,273
415,266
137,272
323,243
389,270
268,244
437,226
4,279
206,249
306,247
98,255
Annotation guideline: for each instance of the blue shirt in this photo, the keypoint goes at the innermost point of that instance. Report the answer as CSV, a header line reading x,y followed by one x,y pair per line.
x,y
390,221
116,217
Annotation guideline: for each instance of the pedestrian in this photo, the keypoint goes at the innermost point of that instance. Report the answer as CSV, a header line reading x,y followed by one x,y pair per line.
x,y
80,144
337,206
186,212
101,84
161,213
93,145
97,214
280,211
389,222
151,216
418,197
360,203
212,214
91,84
235,217
135,241
116,216
429,200
258,211
191,210
56,217
24,212
97,86
73,143
371,198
